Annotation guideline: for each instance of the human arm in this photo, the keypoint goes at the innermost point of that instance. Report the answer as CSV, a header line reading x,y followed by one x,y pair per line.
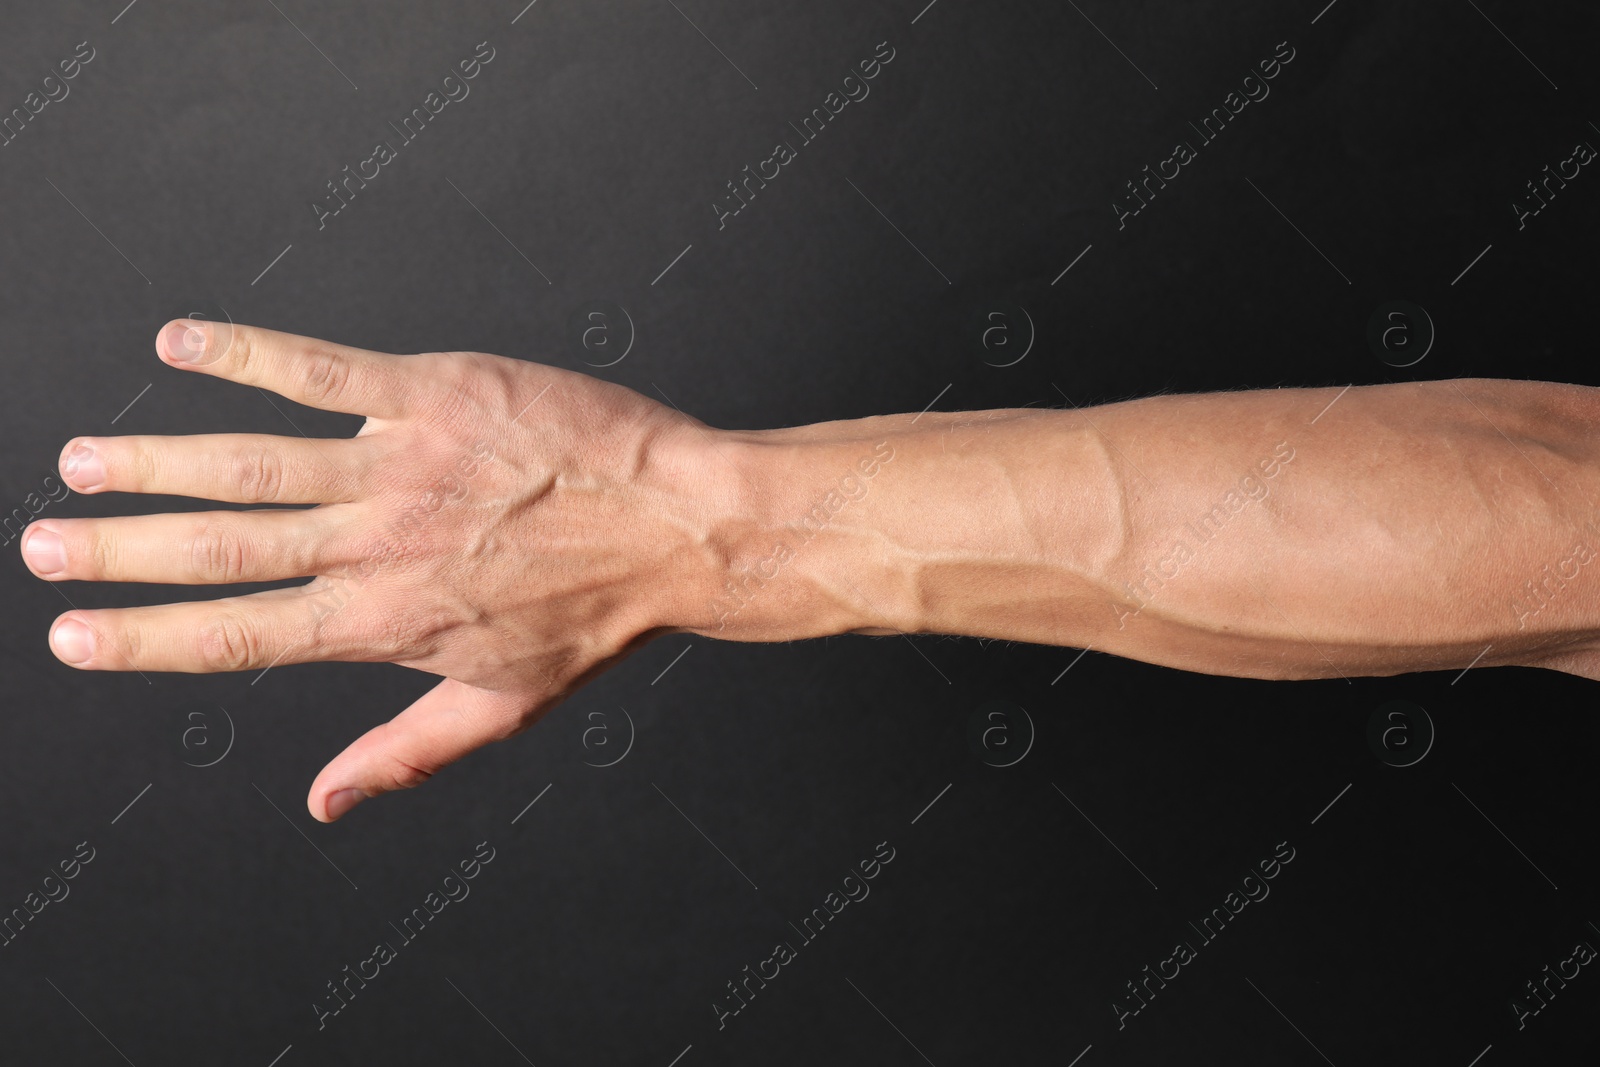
x,y
516,529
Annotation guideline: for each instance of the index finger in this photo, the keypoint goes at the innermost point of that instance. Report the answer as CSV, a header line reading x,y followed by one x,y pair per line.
x,y
316,373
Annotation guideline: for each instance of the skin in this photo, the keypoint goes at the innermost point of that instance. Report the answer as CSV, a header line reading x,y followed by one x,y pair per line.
x,y
516,529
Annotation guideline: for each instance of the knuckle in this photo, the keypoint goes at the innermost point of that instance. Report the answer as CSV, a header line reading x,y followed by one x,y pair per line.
x,y
228,644
238,349
96,551
258,475
398,774
392,643
395,772
448,383
397,636
128,639
139,458
327,376
217,555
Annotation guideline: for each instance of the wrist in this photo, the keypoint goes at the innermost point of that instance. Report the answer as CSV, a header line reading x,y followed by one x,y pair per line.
x,y
786,543
941,522
931,523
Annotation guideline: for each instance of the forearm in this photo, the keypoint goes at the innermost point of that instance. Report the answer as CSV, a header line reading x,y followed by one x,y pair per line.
x,y
1227,533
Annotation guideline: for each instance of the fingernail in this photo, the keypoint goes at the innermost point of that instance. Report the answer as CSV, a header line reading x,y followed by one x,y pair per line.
x,y
184,342
83,468
46,554
341,802
74,642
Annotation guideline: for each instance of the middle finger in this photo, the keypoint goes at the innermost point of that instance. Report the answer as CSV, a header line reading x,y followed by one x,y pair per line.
x,y
201,548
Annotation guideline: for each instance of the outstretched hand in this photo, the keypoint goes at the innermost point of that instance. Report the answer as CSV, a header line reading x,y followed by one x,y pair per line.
x,y
511,527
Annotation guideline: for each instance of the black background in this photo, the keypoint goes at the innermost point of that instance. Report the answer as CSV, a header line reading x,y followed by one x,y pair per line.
x,y
607,925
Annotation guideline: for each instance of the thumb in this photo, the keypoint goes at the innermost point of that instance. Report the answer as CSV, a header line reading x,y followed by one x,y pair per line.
x,y
449,721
